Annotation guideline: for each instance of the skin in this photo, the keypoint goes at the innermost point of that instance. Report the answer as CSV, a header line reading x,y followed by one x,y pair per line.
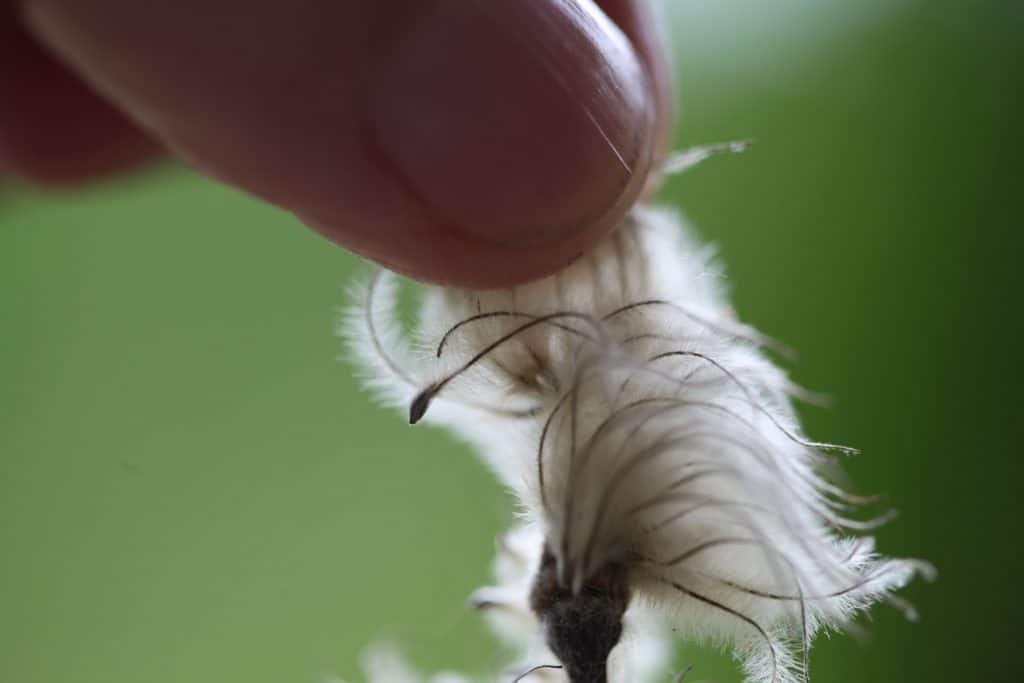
x,y
462,142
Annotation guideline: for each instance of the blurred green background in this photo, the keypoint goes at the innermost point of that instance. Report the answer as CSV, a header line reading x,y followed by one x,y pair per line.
x,y
192,487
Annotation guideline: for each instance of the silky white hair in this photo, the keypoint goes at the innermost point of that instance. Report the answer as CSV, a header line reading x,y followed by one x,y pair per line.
x,y
642,425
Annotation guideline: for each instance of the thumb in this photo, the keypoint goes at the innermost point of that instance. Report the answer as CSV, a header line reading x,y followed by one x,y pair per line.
x,y
458,141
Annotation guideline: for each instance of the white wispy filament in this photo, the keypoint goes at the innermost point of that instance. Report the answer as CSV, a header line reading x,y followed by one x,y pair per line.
x,y
651,439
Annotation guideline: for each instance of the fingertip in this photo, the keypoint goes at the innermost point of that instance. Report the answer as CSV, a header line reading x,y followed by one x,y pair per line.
x,y
522,133
435,252
474,144
54,130
516,124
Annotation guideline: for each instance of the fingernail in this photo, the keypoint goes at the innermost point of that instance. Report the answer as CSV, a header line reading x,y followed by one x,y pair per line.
x,y
515,123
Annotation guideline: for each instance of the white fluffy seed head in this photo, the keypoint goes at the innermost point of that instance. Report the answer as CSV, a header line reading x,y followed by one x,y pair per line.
x,y
643,426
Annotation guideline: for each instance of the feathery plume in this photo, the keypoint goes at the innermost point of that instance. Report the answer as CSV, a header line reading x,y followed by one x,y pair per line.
x,y
649,434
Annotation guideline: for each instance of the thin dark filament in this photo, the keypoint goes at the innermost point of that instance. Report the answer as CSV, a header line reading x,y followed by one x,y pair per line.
x,y
638,304
509,336
819,508
540,450
825,596
620,414
717,503
732,442
573,420
595,528
798,537
671,491
707,545
645,336
498,314
834,521
838,521
677,403
656,449
603,506
815,483
756,404
544,433
736,613
393,366
591,446
421,402
682,384
608,492
707,503
535,670
720,326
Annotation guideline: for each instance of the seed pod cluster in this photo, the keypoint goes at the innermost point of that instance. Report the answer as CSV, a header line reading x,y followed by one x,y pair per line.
x,y
652,443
